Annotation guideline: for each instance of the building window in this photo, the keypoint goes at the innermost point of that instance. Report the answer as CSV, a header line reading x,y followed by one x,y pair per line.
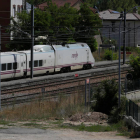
x,y
21,8
18,9
14,10
113,26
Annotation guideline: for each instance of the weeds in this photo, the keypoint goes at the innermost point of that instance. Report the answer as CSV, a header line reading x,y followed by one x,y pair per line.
x,y
60,108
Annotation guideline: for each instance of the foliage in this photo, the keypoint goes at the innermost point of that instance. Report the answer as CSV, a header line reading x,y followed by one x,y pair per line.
x,y
88,26
106,96
135,64
118,5
108,55
35,2
59,24
109,41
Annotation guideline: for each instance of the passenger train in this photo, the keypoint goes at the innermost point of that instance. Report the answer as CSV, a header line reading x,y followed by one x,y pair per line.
x,y
47,59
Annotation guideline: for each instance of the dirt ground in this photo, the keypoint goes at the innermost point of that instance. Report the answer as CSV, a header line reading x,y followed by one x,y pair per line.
x,y
47,130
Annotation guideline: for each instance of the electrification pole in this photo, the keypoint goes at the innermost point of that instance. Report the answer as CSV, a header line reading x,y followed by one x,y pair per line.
x,y
0,67
124,38
32,36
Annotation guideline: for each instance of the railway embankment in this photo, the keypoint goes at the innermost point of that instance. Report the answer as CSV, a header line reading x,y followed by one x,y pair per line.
x,y
24,90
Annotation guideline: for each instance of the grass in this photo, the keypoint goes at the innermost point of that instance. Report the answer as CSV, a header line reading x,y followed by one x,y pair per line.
x,y
3,122
119,127
45,110
65,106
100,57
33,125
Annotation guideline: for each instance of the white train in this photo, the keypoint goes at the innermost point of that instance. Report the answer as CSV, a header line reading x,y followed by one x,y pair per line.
x,y
47,59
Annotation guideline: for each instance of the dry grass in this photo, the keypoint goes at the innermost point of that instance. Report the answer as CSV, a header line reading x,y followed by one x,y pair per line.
x,y
59,108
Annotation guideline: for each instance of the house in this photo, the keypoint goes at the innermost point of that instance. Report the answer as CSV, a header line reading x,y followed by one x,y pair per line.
x,y
73,3
8,9
111,22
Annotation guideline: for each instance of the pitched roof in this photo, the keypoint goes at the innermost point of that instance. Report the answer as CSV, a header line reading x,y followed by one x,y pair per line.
x,y
59,3
114,15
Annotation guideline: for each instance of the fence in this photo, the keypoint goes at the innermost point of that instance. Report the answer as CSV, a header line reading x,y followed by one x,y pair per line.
x,y
132,109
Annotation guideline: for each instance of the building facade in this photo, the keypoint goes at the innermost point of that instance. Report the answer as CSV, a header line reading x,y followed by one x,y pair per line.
x,y
8,9
111,22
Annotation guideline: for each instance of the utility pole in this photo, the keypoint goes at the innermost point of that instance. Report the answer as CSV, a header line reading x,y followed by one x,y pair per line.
x,y
32,36
0,67
124,37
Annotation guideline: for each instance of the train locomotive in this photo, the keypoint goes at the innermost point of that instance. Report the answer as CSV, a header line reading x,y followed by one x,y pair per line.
x,y
47,59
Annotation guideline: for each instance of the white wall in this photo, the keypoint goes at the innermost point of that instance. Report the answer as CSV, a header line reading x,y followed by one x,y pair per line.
x,y
16,3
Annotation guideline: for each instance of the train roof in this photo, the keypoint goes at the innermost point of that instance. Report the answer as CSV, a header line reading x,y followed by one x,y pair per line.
x,y
45,48
48,48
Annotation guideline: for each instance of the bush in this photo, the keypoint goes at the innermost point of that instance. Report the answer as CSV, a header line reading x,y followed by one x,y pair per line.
x,y
135,64
106,96
128,49
109,41
108,55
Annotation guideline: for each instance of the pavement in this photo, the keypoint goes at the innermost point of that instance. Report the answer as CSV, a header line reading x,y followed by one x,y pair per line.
x,y
133,95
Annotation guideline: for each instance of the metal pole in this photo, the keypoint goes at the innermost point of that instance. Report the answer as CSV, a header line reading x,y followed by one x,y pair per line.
x,y
89,91
124,38
0,67
85,92
32,35
119,64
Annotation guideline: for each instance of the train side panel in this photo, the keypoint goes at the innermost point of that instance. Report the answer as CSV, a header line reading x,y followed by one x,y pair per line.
x,y
10,66
74,56
43,63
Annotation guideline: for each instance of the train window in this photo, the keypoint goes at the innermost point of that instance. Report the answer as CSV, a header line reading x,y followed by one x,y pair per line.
x,y
36,63
9,66
15,65
3,67
40,63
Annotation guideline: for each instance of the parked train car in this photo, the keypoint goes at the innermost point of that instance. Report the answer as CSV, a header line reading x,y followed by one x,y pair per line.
x,y
47,59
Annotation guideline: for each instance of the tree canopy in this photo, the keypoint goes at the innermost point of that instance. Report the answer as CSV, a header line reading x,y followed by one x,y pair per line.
x,y
59,24
118,5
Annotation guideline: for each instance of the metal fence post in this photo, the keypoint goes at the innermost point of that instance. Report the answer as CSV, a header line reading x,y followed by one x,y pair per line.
x,y
85,92
89,91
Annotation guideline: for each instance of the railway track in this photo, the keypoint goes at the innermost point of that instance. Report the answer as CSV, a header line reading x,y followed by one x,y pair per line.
x,y
46,88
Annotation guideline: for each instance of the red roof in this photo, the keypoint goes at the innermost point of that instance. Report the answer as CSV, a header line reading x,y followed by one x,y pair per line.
x,y
62,3
59,3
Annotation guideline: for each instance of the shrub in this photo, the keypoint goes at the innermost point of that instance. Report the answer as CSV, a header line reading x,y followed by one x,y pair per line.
x,y
108,55
135,64
106,96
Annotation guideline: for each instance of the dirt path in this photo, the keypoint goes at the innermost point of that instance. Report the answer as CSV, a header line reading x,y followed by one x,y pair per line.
x,y
50,134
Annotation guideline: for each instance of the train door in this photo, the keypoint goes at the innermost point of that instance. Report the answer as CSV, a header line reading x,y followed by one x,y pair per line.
x,y
87,55
22,64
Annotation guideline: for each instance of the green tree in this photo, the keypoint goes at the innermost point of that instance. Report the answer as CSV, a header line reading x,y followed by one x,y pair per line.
x,y
118,5
106,99
21,29
59,24
135,64
88,26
